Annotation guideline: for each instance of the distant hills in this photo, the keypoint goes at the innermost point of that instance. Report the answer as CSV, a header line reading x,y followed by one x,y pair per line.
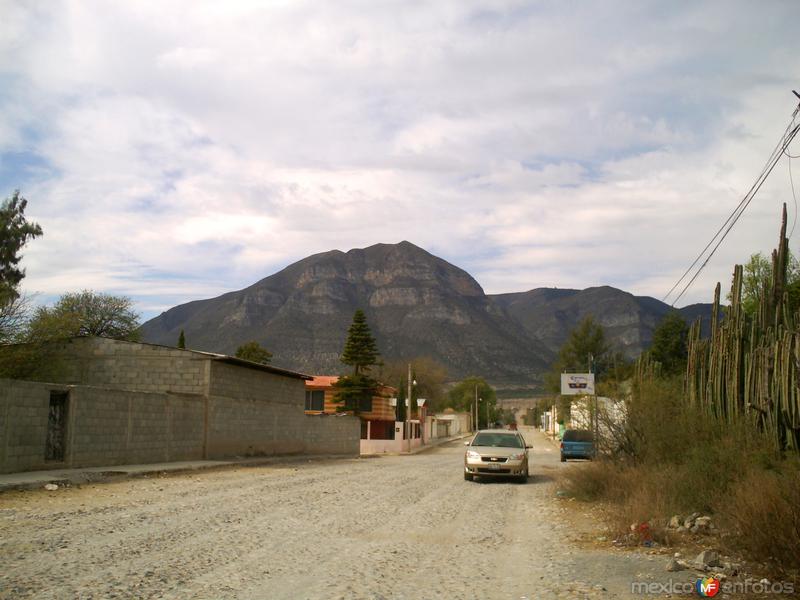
x,y
417,305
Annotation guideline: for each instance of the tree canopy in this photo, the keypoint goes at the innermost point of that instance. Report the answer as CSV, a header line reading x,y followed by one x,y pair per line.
x,y
462,398
585,349
15,231
252,351
430,375
757,278
87,313
669,343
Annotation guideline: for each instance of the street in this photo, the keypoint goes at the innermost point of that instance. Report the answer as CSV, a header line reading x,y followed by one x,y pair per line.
x,y
397,527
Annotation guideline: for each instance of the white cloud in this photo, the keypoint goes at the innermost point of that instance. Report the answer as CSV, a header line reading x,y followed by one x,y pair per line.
x,y
195,147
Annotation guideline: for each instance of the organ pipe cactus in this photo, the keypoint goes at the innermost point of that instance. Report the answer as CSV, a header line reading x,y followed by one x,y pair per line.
x,y
747,370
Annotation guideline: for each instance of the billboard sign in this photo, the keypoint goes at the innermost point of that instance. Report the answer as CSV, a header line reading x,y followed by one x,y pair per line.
x,y
577,384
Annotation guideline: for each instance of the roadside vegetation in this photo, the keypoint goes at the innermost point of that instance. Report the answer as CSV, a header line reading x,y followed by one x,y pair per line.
x,y
712,425
27,332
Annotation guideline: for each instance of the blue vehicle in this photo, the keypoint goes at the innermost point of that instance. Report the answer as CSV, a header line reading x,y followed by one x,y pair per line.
x,y
577,443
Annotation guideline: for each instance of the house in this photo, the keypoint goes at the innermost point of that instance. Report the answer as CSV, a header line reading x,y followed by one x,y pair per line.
x,y
103,402
377,415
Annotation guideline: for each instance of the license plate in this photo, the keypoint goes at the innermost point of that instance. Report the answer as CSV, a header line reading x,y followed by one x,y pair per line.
x,y
494,466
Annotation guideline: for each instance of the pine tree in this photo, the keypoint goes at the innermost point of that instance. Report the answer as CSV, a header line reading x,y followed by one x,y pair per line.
x,y
182,341
360,352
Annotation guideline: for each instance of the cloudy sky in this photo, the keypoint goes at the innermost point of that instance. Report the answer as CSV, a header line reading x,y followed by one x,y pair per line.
x,y
177,150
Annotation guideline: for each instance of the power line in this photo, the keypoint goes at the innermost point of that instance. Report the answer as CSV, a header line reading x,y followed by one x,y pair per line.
x,y
786,138
794,197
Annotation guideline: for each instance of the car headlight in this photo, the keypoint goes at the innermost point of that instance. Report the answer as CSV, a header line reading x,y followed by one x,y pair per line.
x,y
518,456
473,455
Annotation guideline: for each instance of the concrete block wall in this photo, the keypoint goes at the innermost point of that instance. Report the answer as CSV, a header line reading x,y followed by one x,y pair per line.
x,y
115,427
105,427
234,381
24,408
138,403
327,434
129,365
253,428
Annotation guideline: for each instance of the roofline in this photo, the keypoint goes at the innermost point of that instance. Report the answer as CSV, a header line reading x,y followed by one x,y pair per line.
x,y
212,355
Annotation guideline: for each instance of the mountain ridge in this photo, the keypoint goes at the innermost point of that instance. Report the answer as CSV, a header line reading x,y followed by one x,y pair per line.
x,y
417,304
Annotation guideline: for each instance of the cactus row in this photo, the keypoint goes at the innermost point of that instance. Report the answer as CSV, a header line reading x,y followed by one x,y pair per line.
x,y
748,368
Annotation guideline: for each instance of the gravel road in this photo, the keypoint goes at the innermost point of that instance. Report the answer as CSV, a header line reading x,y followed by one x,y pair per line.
x,y
401,527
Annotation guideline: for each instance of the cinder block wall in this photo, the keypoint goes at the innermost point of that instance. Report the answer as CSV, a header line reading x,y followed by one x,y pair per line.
x,y
137,403
105,427
24,408
116,427
328,434
254,413
128,365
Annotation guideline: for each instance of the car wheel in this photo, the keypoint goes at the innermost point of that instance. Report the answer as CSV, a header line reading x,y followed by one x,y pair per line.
x,y
563,459
524,478
468,476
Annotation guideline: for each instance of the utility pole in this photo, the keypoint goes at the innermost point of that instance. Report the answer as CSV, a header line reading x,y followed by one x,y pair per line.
x,y
596,423
408,410
487,413
476,407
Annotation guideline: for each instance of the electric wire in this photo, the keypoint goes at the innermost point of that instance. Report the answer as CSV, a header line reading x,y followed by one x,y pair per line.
x,y
794,197
777,148
785,141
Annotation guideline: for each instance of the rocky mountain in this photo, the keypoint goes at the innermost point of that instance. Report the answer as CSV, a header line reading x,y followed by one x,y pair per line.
x,y
549,314
416,304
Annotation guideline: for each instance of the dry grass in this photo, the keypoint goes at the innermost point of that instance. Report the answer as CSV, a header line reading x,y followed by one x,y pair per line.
x,y
684,462
762,513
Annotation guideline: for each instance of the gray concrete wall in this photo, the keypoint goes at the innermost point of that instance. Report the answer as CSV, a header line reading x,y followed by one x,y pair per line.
x,y
254,413
127,365
106,427
328,434
24,409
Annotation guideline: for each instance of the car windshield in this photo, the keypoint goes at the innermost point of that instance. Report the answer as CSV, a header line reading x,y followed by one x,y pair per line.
x,y
577,435
498,440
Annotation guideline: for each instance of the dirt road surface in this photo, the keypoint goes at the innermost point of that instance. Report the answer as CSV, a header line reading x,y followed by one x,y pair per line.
x,y
401,527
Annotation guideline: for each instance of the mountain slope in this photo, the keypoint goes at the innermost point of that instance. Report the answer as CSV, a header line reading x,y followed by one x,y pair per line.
x,y
416,304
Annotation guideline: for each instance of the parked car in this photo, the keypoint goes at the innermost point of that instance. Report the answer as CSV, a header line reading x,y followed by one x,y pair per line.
x,y
577,443
496,453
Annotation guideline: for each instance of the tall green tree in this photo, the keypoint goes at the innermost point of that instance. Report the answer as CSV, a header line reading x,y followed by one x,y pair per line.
x,y
355,391
15,231
253,351
586,348
182,341
757,278
669,343
462,398
87,313
360,349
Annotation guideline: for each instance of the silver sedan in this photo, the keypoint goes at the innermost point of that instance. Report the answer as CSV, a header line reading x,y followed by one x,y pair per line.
x,y
496,453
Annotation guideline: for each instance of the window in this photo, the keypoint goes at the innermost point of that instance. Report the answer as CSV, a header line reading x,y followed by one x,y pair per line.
x,y
365,404
578,435
315,400
498,440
